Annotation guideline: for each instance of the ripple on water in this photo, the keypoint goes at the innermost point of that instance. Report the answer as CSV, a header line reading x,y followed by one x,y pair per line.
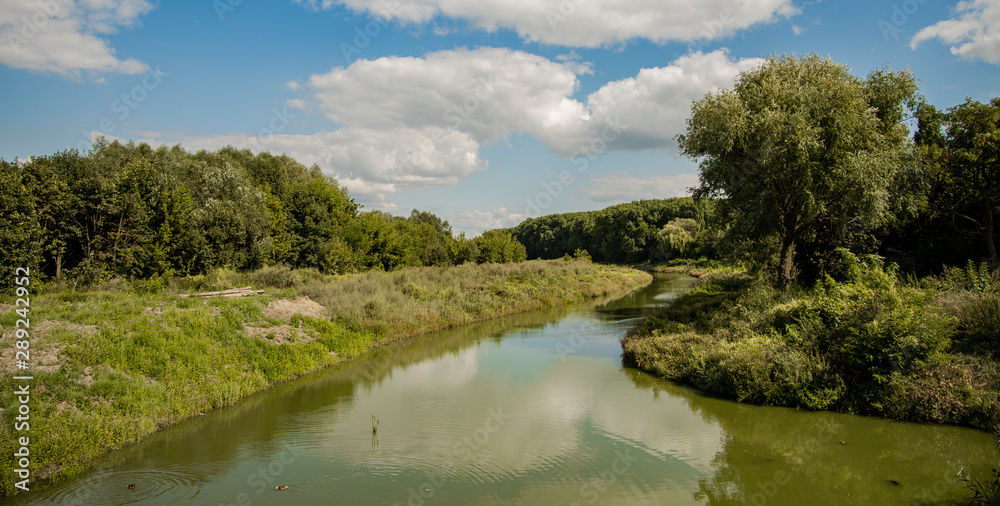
x,y
151,487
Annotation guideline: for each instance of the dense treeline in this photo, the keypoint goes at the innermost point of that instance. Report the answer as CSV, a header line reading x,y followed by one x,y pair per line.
x,y
136,212
959,151
625,233
935,208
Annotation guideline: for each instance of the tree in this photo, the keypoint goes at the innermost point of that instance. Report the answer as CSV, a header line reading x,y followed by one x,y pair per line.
x,y
972,159
675,237
19,229
430,237
53,203
463,250
499,246
799,140
318,209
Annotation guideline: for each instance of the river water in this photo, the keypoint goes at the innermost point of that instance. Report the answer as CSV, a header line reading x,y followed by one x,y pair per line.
x,y
532,409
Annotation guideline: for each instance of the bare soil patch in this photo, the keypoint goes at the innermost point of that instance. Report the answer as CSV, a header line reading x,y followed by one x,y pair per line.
x,y
285,309
43,355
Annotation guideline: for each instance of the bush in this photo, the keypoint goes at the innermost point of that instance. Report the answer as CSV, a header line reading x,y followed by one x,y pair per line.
x,y
149,286
979,323
864,343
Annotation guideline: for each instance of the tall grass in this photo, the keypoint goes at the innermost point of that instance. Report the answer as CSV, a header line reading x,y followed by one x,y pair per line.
x,y
150,358
412,301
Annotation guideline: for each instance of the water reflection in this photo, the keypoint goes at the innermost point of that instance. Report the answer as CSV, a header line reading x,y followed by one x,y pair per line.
x,y
531,409
781,455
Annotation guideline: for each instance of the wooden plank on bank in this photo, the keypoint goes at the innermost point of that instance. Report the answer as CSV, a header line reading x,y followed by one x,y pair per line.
x,y
232,292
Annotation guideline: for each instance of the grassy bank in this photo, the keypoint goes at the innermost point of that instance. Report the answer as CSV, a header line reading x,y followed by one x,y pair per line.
x,y
114,364
866,342
696,268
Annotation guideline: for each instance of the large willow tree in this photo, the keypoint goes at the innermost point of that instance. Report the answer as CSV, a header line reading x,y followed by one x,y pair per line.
x,y
799,141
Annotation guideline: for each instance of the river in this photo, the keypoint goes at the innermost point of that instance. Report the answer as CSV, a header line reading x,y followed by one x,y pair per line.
x,y
531,409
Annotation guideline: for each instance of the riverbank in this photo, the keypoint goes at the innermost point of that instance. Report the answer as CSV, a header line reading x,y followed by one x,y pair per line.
x,y
692,267
118,363
866,343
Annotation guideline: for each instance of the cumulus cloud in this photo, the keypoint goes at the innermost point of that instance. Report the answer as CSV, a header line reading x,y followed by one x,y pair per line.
x,y
583,23
974,31
410,123
654,105
487,92
477,222
369,162
63,36
622,186
490,93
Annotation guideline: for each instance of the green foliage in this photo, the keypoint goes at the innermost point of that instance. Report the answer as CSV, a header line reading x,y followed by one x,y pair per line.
x,y
19,227
499,246
800,142
151,286
126,210
979,279
414,300
859,341
463,250
675,237
978,325
871,325
972,159
955,221
625,233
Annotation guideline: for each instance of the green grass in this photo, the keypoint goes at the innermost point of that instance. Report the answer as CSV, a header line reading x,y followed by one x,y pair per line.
x,y
698,267
129,360
868,343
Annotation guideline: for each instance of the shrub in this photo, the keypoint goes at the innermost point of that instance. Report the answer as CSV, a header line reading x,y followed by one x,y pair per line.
x,y
978,323
862,343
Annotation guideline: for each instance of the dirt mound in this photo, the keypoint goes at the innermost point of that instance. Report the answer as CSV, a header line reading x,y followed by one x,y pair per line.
x,y
285,309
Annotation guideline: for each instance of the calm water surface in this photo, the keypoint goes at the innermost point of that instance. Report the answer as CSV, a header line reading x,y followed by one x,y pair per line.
x,y
532,409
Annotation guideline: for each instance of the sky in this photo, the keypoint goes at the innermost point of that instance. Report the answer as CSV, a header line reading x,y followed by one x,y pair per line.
x,y
483,112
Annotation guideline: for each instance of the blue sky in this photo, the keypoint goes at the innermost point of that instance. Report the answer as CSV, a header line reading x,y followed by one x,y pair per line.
x,y
483,112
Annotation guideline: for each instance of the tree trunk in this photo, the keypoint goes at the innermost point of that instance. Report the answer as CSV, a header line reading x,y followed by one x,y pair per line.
x,y
785,260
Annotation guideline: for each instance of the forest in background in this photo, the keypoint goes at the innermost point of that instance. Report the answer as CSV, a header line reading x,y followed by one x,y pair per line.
x,y
630,233
136,212
944,202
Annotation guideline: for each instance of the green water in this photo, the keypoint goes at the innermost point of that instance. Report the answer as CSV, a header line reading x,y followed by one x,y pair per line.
x,y
532,409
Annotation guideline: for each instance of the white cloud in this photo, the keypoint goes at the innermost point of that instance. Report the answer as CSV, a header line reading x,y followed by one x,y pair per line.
x,y
487,92
622,186
477,222
412,123
384,205
297,103
492,92
63,36
367,161
974,32
655,104
588,23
